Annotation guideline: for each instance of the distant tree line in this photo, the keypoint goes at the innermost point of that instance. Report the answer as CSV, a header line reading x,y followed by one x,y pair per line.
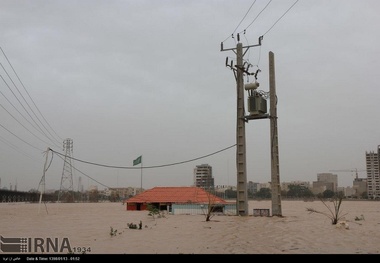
x,y
92,196
294,192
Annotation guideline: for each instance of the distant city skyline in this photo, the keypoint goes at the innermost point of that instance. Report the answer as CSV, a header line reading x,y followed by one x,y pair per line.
x,y
123,86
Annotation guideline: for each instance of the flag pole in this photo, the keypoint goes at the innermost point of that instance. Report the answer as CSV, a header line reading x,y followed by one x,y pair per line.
x,y
136,162
141,175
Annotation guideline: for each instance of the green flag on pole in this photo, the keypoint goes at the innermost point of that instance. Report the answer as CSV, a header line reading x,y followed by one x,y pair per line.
x,y
137,160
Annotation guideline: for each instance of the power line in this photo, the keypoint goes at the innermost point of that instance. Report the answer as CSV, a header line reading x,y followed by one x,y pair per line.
x,y
85,174
24,108
21,113
241,21
21,96
281,17
19,138
272,25
257,16
144,167
22,124
5,141
14,71
60,155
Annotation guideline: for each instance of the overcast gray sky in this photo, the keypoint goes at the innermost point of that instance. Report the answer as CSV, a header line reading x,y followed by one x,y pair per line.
x,y
130,78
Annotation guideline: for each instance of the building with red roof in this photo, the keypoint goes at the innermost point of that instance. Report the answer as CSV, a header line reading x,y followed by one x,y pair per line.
x,y
178,198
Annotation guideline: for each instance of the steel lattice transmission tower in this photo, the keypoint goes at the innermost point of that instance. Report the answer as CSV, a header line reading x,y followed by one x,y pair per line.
x,y
66,193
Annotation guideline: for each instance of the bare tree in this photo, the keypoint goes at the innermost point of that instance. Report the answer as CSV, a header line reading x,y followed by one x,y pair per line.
x,y
335,213
211,205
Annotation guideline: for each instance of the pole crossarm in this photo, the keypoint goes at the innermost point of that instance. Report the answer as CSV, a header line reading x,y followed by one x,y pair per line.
x,y
242,66
243,47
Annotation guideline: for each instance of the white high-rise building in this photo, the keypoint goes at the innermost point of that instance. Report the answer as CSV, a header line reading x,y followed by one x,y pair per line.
x,y
203,176
373,177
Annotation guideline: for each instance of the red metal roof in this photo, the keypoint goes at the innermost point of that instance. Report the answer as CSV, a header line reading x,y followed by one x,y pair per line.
x,y
176,195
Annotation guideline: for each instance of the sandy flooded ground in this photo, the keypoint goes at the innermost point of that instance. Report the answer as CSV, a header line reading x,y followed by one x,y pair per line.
x,y
102,228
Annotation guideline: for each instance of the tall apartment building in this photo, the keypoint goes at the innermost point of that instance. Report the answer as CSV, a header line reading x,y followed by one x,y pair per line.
x,y
359,186
373,177
203,176
326,181
252,187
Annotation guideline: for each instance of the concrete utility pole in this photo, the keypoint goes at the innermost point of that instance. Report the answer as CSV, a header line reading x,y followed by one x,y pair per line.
x,y
41,186
239,70
257,108
275,169
242,195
